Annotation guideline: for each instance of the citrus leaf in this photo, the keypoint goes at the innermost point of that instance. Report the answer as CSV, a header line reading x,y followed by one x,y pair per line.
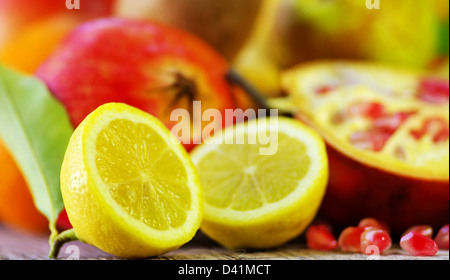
x,y
36,130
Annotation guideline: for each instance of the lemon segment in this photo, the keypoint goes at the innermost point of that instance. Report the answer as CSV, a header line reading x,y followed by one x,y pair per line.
x,y
128,185
255,199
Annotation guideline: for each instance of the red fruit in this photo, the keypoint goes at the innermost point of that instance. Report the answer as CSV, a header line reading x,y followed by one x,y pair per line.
x,y
418,245
320,237
372,222
153,67
357,190
375,237
441,238
377,169
350,239
63,222
424,230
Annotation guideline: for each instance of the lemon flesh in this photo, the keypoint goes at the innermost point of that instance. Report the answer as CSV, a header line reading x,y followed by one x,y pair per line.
x,y
128,186
255,199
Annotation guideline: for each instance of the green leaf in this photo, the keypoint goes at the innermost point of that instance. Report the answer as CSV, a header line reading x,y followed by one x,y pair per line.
x,y
35,128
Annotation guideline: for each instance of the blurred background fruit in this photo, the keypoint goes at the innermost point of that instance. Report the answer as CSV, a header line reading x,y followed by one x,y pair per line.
x,y
154,67
225,24
399,32
289,32
17,14
27,49
16,204
29,30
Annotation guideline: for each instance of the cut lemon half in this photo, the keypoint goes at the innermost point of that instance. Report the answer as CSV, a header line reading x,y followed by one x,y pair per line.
x,y
263,182
128,185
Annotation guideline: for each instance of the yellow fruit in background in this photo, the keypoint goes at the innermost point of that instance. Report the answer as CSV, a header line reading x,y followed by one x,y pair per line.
x,y
442,8
400,32
289,32
254,61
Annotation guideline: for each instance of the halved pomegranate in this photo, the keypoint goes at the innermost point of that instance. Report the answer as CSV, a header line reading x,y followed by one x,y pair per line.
x,y
387,131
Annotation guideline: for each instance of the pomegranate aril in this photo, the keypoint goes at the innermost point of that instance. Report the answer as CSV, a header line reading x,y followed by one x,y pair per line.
x,y
320,237
350,239
434,91
372,222
425,230
392,122
375,237
370,140
418,245
442,135
322,90
366,109
437,127
441,238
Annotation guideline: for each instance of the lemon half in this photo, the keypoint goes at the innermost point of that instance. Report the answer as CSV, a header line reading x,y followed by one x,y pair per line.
x,y
257,198
128,185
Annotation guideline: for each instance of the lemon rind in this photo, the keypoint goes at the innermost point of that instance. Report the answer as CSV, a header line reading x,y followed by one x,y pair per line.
x,y
170,238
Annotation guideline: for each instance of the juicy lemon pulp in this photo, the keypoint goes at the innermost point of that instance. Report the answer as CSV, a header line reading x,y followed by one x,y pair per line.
x,y
140,180
238,177
128,186
259,200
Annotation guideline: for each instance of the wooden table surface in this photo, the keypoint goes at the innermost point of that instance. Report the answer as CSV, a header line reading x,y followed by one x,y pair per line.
x,y
16,245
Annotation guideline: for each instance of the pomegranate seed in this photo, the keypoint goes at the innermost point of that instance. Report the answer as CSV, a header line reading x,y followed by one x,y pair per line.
x,y
442,135
350,239
375,237
366,109
425,230
320,237
370,140
390,123
436,126
418,245
322,90
441,238
434,91
372,222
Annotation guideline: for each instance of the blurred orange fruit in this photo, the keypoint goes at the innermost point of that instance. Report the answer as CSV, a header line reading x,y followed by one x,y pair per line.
x,y
16,203
27,49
